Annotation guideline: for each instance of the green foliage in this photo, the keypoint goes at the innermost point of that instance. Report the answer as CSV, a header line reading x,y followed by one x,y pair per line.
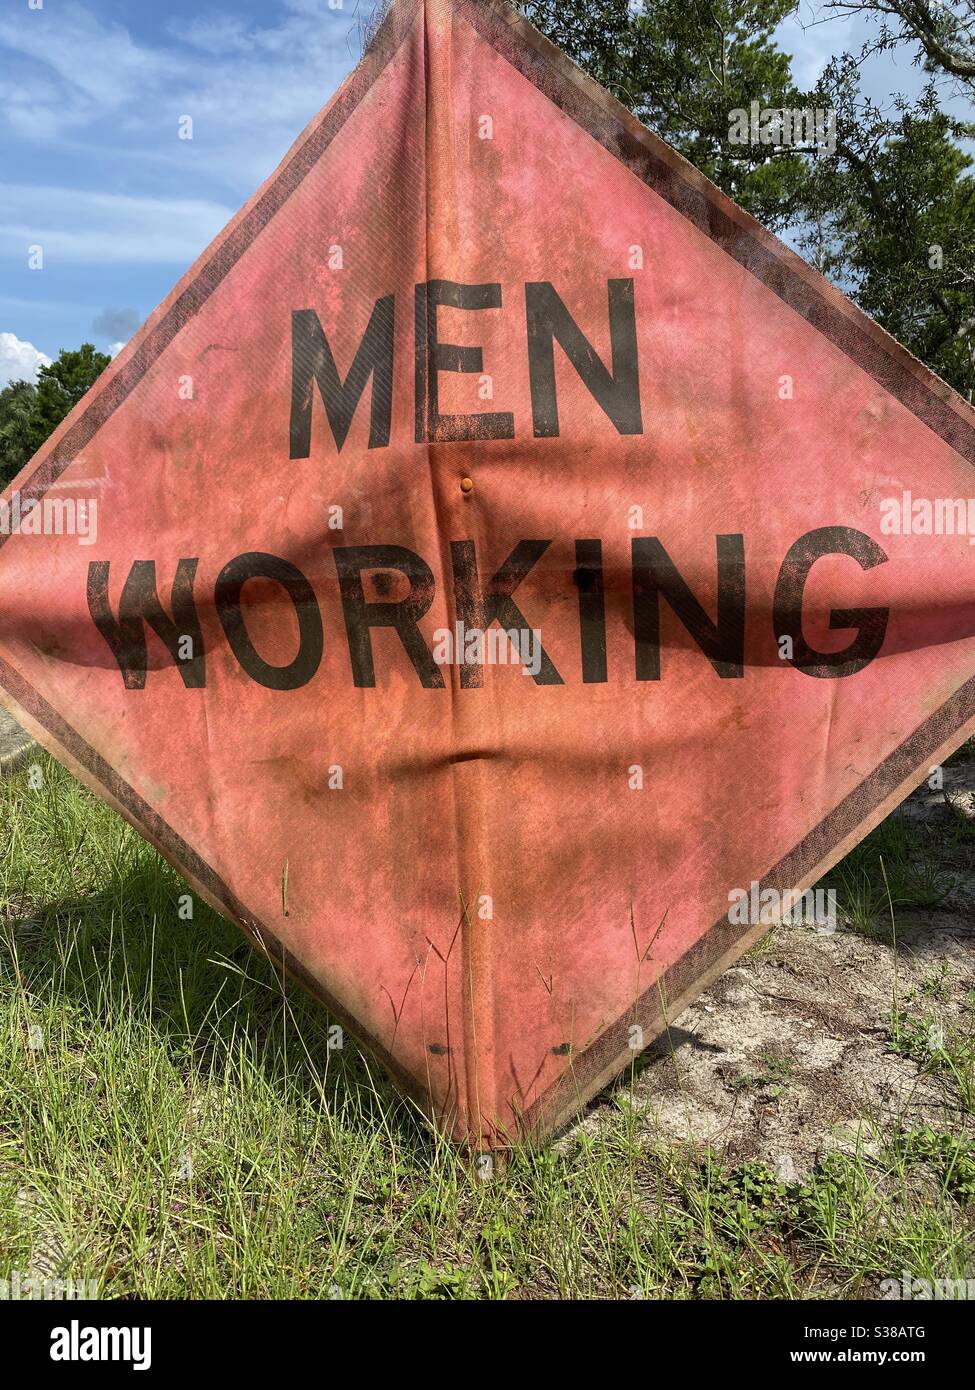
x,y
61,386
775,1073
16,410
174,1123
682,66
889,215
941,33
897,867
892,219
29,414
950,1156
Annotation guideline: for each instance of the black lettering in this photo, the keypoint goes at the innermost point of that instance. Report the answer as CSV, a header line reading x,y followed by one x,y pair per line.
x,y
479,608
871,623
655,575
312,360
256,564
138,605
433,357
617,392
403,615
588,579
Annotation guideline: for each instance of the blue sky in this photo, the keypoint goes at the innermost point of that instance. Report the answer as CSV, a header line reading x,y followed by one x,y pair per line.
x,y
92,168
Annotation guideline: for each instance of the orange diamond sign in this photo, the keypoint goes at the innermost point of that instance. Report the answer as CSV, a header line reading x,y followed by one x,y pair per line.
x,y
507,573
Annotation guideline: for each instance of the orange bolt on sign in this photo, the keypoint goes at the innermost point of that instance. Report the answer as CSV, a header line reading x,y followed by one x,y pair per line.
x,y
511,546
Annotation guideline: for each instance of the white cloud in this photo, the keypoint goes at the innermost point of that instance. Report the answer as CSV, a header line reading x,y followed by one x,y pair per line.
x,y
115,348
250,86
811,41
97,66
19,361
216,34
73,226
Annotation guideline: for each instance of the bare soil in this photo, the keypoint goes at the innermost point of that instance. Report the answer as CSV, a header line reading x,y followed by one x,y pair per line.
x,y
816,1041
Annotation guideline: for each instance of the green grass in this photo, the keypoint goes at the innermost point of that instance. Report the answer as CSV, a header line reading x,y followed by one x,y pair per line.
x,y
898,866
173,1124
903,866
775,1072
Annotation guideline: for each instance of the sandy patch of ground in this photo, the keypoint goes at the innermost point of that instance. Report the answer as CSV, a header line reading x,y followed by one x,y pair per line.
x,y
816,1041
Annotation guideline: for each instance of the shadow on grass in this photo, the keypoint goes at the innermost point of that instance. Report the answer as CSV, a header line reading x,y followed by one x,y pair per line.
x,y
119,945
905,878
196,987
